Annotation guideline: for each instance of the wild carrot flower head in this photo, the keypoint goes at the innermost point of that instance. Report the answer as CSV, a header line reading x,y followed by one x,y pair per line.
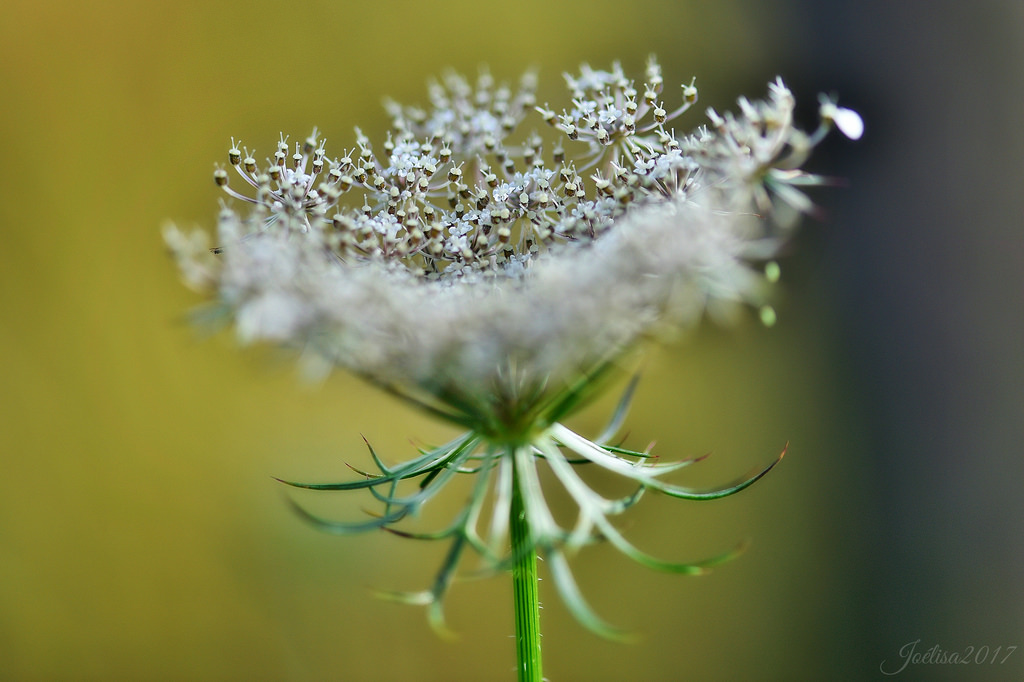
x,y
491,275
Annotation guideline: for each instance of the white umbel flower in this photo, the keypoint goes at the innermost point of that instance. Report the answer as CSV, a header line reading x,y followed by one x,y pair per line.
x,y
492,282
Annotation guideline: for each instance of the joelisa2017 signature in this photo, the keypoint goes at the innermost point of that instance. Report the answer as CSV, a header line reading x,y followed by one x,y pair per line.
x,y
971,655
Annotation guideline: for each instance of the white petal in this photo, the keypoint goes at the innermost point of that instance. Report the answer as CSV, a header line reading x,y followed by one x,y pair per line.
x,y
849,122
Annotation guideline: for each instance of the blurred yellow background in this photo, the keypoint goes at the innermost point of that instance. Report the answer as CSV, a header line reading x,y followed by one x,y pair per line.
x,y
141,534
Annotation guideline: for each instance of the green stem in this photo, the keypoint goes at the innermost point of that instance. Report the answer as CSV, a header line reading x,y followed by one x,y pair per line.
x,y
524,589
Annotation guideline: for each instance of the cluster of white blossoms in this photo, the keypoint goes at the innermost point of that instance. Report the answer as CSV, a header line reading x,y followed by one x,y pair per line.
x,y
493,276
459,256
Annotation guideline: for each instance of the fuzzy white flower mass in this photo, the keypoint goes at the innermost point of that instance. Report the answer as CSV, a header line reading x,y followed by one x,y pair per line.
x,y
473,259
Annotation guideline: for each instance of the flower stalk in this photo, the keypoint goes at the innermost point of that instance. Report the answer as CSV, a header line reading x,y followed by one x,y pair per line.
x,y
525,592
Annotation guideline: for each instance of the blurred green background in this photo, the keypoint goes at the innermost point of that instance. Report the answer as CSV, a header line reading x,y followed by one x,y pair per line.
x,y
141,534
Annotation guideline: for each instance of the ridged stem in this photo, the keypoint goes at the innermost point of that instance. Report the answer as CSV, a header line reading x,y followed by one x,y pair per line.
x,y
524,589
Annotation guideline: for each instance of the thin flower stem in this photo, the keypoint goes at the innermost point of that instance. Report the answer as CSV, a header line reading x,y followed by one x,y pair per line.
x,y
524,589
